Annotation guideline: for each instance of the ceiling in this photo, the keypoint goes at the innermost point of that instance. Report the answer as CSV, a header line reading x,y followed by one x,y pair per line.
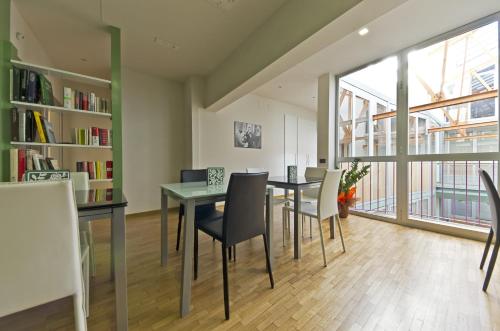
x,y
416,21
193,37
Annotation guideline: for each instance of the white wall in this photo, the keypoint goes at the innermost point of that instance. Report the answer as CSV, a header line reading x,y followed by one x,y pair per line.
x,y
153,144
216,134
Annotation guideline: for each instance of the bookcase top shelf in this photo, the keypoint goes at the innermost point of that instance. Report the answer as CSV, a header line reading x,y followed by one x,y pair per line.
x,y
58,109
63,74
58,145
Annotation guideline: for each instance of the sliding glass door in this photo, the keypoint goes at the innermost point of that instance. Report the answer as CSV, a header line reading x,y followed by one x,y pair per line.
x,y
426,120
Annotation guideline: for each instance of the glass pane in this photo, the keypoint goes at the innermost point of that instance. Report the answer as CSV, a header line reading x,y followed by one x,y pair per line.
x,y
367,116
452,90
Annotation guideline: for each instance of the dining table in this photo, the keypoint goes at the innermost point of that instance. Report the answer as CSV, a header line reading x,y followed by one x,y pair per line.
x,y
97,204
194,194
297,184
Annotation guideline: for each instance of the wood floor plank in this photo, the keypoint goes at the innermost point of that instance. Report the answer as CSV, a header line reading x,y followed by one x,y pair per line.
x,y
391,278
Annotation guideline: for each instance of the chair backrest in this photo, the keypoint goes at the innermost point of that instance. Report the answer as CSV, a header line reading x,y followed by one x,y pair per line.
x,y
193,175
493,198
313,172
80,181
255,170
39,245
244,209
328,193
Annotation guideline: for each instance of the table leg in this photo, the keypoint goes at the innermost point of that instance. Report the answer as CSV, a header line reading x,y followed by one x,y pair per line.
x,y
120,267
269,224
187,257
297,225
332,227
112,253
164,228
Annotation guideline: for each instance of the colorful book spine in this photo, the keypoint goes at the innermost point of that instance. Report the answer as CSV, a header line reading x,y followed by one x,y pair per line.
x,y
39,127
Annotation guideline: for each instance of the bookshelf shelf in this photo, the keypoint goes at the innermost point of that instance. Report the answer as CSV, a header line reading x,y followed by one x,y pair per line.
x,y
58,109
18,143
63,74
104,180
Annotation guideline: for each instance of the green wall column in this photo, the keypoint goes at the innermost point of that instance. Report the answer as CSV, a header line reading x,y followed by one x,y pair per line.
x,y
116,103
5,55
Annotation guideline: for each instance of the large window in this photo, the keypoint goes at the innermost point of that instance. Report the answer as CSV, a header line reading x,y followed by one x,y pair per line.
x,y
452,118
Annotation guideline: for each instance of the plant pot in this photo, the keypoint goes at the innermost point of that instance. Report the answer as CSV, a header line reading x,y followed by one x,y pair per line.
x,y
343,210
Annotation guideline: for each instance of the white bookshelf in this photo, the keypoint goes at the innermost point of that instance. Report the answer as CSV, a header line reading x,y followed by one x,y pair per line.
x,y
63,74
19,143
58,109
103,180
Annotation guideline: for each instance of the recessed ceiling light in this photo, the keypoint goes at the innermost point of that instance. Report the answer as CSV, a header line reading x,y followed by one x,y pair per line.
x,y
83,59
363,31
279,86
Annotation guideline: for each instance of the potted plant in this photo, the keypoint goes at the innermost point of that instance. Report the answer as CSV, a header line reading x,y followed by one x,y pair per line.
x,y
347,190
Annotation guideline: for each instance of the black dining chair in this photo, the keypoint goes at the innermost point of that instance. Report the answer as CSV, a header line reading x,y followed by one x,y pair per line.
x,y
494,200
202,213
243,219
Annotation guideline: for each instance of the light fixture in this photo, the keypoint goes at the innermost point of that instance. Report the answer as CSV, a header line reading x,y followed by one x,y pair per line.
x,y
363,31
172,46
279,86
19,36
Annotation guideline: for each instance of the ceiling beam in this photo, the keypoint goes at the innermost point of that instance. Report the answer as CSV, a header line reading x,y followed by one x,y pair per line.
x,y
443,103
479,136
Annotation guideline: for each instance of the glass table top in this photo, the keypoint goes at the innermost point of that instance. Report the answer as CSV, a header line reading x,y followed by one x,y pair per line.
x,y
197,189
300,180
100,198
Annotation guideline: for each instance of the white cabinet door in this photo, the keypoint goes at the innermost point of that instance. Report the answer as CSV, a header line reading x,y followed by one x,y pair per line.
x,y
307,142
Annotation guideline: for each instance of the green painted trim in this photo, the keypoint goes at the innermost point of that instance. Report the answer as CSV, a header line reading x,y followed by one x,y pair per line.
x,y
116,103
5,56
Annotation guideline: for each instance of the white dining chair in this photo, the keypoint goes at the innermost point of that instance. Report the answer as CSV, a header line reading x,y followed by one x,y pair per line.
x,y
40,248
326,206
81,182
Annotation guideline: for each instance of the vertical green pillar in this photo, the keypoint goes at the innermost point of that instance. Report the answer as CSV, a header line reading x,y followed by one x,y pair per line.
x,y
5,55
116,103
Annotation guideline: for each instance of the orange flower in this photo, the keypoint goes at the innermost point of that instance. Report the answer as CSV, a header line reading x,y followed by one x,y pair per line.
x,y
347,198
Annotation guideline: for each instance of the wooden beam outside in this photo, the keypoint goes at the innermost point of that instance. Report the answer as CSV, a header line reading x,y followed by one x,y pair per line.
x,y
463,126
444,103
479,136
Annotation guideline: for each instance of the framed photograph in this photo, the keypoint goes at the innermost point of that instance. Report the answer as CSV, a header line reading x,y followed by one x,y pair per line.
x,y
247,135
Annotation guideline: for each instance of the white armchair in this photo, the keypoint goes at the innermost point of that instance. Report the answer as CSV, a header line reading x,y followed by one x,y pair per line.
x,y
39,247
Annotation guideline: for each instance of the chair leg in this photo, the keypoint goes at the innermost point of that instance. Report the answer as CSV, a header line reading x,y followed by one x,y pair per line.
x,y
80,320
493,259
234,253
91,242
195,276
303,219
283,217
486,249
310,227
268,262
179,226
224,275
230,252
340,231
322,242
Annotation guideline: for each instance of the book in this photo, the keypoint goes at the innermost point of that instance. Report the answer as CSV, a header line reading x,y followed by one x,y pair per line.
x,y
13,165
46,93
39,127
30,128
21,164
15,89
14,124
32,94
67,96
22,125
36,161
109,169
49,131
23,89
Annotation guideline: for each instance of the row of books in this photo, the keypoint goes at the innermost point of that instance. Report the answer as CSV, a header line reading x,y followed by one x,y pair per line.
x,y
30,86
96,169
30,126
91,136
88,101
22,160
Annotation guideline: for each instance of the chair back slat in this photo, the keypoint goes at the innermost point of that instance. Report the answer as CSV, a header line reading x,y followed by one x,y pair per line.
x,y
244,209
493,198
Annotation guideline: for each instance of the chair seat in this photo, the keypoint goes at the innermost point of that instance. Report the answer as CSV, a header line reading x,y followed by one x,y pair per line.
x,y
309,209
212,227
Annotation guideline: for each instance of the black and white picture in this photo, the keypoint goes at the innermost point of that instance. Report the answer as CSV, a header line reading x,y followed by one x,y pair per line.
x,y
247,135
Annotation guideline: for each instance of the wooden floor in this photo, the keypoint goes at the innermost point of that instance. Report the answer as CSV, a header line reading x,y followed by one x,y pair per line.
x,y
391,278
